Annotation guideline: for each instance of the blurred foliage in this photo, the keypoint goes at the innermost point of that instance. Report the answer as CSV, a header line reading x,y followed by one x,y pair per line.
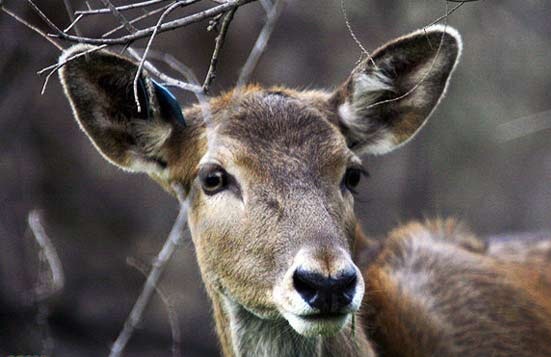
x,y
97,215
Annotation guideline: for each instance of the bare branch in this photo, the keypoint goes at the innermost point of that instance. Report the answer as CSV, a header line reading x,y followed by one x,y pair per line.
x,y
354,37
115,11
31,27
139,18
211,74
74,21
524,126
73,24
55,67
174,239
172,316
50,254
195,88
448,13
45,18
144,56
261,42
109,9
168,26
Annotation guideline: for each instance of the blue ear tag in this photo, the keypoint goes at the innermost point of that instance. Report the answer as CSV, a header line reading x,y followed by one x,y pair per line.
x,y
170,108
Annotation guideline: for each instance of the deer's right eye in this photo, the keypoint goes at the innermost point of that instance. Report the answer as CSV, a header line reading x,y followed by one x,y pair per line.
x,y
213,179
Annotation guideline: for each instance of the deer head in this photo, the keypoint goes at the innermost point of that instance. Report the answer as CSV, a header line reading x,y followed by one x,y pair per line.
x,y
271,179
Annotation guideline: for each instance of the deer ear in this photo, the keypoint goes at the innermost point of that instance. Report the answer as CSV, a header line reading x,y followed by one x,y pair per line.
x,y
389,97
100,88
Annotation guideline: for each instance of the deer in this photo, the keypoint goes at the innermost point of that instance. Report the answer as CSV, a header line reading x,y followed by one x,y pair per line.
x,y
270,179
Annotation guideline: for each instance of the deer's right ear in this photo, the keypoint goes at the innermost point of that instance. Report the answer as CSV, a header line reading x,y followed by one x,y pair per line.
x,y
390,96
100,88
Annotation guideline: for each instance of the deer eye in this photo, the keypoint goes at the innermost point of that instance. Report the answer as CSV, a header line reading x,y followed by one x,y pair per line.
x,y
213,179
352,178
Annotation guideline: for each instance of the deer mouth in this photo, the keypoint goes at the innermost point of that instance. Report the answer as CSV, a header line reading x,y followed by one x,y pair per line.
x,y
327,324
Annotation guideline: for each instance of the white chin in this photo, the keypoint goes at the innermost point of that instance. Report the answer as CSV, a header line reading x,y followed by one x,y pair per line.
x,y
317,326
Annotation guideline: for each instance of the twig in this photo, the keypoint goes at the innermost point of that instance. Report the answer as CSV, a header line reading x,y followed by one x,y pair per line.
x,y
174,239
176,65
49,252
211,74
266,5
448,13
109,9
139,18
165,78
115,11
148,46
170,309
31,27
168,26
425,75
261,42
71,17
73,24
354,37
524,126
45,18
55,67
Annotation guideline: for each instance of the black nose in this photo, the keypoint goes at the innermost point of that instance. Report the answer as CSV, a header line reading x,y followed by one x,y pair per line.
x,y
327,294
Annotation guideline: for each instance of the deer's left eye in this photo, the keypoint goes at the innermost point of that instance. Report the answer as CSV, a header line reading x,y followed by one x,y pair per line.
x,y
352,178
213,179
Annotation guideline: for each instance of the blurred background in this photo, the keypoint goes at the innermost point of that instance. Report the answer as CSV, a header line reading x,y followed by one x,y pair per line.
x,y
484,157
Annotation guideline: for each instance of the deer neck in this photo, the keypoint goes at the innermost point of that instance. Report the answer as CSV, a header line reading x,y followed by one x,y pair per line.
x,y
242,333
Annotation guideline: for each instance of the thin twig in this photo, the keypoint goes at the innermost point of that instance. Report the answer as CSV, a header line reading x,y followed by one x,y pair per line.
x,y
55,67
174,239
115,11
31,27
74,21
168,26
176,65
109,9
448,13
211,73
139,18
148,46
426,74
353,35
261,42
73,24
170,308
195,88
46,19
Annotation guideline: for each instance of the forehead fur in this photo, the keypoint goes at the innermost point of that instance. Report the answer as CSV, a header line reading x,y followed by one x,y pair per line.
x,y
263,126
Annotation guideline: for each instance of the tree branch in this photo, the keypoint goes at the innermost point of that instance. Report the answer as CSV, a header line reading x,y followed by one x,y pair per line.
x,y
174,240
168,26
211,74
261,42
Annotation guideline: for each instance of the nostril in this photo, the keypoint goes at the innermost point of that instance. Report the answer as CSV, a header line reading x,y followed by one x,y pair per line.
x,y
346,286
305,284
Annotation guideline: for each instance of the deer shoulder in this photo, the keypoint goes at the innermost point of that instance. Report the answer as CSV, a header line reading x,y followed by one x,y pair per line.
x,y
434,289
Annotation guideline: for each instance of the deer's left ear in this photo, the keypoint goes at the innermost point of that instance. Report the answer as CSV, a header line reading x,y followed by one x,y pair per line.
x,y
389,97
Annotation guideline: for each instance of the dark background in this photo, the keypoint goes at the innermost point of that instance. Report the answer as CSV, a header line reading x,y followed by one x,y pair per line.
x,y
467,162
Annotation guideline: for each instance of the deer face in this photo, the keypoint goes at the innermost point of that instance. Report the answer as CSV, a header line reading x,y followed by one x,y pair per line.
x,y
270,179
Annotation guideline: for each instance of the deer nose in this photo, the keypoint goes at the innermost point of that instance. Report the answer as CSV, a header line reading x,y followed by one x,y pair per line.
x,y
327,294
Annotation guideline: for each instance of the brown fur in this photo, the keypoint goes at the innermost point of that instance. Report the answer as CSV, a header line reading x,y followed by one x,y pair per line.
x,y
432,289
440,298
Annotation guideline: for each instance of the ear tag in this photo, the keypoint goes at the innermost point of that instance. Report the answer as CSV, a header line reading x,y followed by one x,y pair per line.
x,y
170,108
